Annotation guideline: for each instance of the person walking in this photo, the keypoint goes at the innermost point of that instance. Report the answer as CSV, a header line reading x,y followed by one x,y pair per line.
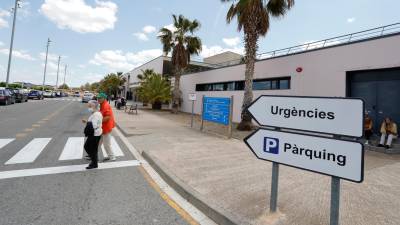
x,y
93,132
108,125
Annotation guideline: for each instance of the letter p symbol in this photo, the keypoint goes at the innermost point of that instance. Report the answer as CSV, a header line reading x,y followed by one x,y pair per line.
x,y
271,145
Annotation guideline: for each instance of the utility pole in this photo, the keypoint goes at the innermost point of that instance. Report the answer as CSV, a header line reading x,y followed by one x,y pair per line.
x,y
45,63
65,72
58,70
12,42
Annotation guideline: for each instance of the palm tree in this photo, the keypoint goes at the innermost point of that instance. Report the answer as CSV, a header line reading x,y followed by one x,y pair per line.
x,y
142,78
145,74
155,89
182,43
253,17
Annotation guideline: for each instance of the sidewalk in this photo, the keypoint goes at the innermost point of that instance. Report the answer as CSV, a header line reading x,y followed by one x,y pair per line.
x,y
224,179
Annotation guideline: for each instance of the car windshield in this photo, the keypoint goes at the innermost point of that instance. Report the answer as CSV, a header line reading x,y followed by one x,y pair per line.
x,y
1,92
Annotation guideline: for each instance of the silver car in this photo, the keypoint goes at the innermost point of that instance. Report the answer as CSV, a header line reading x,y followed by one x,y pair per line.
x,y
87,97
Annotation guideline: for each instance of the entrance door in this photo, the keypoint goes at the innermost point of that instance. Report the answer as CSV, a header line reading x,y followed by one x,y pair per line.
x,y
380,89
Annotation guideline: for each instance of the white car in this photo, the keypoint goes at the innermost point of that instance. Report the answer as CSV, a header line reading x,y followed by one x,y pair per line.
x,y
48,94
87,97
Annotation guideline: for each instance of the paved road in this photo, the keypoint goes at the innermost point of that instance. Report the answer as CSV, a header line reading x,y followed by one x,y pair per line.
x,y
43,180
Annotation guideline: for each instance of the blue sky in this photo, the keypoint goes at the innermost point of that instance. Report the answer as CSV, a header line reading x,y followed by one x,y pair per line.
x,y
95,37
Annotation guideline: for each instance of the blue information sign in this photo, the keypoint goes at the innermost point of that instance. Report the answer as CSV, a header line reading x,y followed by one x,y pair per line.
x,y
216,109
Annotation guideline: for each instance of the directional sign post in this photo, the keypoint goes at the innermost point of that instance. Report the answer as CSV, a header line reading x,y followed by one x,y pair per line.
x,y
192,98
322,155
294,138
340,116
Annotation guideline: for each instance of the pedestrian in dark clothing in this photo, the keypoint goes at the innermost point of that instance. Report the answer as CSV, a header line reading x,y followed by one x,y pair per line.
x,y
93,132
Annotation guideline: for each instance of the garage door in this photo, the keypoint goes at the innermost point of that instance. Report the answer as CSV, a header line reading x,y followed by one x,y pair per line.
x,y
380,90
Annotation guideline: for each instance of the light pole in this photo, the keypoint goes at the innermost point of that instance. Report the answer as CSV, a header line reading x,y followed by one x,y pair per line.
x,y
12,42
58,70
45,63
65,72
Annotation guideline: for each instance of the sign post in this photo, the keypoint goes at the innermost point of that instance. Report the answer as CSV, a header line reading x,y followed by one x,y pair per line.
x,y
273,204
217,110
192,97
335,200
299,139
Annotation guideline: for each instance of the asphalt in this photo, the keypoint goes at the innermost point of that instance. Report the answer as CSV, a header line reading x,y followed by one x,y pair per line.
x,y
108,196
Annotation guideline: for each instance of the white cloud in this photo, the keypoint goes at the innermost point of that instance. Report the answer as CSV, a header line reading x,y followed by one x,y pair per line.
x,y
50,57
117,60
3,15
24,10
351,20
231,42
141,36
170,27
216,49
149,29
21,54
79,16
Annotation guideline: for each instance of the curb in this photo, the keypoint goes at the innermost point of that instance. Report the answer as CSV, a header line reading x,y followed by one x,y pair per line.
x,y
209,208
122,130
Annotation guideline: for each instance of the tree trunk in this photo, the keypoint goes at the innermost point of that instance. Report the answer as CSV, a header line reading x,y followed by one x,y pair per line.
x,y
251,38
176,94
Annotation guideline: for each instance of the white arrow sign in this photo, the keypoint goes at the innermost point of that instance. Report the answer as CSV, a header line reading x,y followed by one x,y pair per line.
x,y
333,157
341,116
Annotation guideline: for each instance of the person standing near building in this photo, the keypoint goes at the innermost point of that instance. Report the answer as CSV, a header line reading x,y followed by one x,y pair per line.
x,y
108,125
367,128
389,131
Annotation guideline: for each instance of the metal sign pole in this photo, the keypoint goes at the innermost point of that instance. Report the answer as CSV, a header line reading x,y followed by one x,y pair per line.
x,y
335,200
274,188
191,123
202,111
230,118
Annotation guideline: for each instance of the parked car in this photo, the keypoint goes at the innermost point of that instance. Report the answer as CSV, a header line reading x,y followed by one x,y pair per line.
x,y
87,97
34,94
20,95
7,96
49,94
77,94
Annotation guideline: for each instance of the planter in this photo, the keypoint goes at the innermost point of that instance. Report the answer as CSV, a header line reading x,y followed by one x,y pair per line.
x,y
156,105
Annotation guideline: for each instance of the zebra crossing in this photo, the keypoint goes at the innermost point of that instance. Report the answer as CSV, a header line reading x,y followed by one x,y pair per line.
x,y
72,150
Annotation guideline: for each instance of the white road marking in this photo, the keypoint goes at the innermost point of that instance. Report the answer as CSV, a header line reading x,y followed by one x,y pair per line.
x,y
30,152
73,149
6,141
64,169
114,148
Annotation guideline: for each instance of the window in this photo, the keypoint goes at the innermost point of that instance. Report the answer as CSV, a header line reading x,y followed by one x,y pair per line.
x,y
258,84
262,85
284,84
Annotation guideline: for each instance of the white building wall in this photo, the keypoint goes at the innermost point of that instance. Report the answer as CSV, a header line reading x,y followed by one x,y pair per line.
x,y
155,64
324,71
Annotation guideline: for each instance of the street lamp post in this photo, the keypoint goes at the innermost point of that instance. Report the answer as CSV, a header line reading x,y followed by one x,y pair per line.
x,y
58,70
45,63
12,42
65,72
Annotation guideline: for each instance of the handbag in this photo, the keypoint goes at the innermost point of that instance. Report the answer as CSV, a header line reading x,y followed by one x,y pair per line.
x,y
89,130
